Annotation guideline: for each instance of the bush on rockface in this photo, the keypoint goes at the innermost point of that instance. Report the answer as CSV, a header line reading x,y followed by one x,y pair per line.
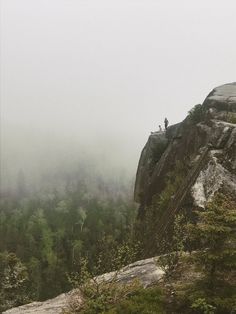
x,y
100,296
145,301
173,247
197,113
231,118
97,293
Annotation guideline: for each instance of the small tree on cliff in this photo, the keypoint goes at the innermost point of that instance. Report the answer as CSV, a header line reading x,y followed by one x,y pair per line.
x,y
172,248
215,233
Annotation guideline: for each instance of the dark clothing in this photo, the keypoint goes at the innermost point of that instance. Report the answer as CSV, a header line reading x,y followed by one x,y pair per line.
x,y
166,123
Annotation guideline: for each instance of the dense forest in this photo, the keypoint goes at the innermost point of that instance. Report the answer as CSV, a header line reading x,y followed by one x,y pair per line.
x,y
45,235
51,238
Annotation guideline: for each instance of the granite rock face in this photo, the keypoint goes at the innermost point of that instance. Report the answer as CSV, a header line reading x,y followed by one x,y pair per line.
x,y
204,143
53,306
222,98
151,153
146,271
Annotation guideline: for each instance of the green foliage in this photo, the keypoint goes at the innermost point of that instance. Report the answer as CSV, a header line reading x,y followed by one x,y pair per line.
x,y
13,281
198,296
102,296
173,247
173,182
97,293
52,235
197,113
145,301
231,118
215,233
201,306
99,297
213,237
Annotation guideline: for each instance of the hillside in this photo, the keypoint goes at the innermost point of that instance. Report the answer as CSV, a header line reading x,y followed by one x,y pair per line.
x,y
180,171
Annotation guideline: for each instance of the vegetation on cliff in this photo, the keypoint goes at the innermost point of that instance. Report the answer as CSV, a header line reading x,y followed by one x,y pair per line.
x,y
200,269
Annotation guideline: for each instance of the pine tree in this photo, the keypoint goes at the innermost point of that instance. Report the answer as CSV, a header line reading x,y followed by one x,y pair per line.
x,y
215,233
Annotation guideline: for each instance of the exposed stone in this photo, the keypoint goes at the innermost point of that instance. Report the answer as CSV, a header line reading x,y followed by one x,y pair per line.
x,y
206,148
52,306
211,180
222,98
146,271
151,154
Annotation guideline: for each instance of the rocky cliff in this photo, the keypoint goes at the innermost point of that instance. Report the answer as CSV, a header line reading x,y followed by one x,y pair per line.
x,y
179,169
200,152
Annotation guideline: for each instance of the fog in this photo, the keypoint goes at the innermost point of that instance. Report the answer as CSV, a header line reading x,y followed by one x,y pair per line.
x,y
89,80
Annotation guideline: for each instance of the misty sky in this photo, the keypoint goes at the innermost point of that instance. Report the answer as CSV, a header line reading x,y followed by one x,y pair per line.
x,y
105,73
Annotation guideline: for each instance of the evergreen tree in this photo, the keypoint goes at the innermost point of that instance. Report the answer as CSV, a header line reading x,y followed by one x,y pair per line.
x,y
215,233
213,237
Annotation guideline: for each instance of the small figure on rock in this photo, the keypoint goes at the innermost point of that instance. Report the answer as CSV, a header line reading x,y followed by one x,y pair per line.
x,y
166,123
160,128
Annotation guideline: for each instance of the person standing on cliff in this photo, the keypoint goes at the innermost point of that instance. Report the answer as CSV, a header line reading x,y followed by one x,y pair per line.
x,y
166,122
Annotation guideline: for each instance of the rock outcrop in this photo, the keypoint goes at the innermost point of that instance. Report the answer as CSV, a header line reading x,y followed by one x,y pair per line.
x,y
53,306
146,271
204,144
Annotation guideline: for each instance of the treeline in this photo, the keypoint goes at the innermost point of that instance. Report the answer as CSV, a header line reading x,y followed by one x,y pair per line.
x,y
44,238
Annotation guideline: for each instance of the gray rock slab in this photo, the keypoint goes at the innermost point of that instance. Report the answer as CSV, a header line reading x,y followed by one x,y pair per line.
x,y
146,271
52,306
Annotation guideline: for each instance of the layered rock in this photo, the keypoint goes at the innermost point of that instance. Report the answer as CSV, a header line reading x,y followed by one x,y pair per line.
x,y
205,144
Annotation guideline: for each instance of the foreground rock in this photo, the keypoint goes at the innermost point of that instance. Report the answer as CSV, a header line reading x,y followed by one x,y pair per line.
x,y
52,306
146,271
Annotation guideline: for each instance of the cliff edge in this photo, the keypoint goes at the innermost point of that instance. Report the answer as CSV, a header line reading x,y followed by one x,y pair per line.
x,y
186,165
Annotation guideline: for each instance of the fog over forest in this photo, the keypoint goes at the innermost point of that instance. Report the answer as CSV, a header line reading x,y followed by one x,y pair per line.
x,y
83,83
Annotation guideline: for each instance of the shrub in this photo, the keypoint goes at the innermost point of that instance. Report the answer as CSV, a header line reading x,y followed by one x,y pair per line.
x,y
201,306
196,114
231,118
145,301
98,294
13,281
173,247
